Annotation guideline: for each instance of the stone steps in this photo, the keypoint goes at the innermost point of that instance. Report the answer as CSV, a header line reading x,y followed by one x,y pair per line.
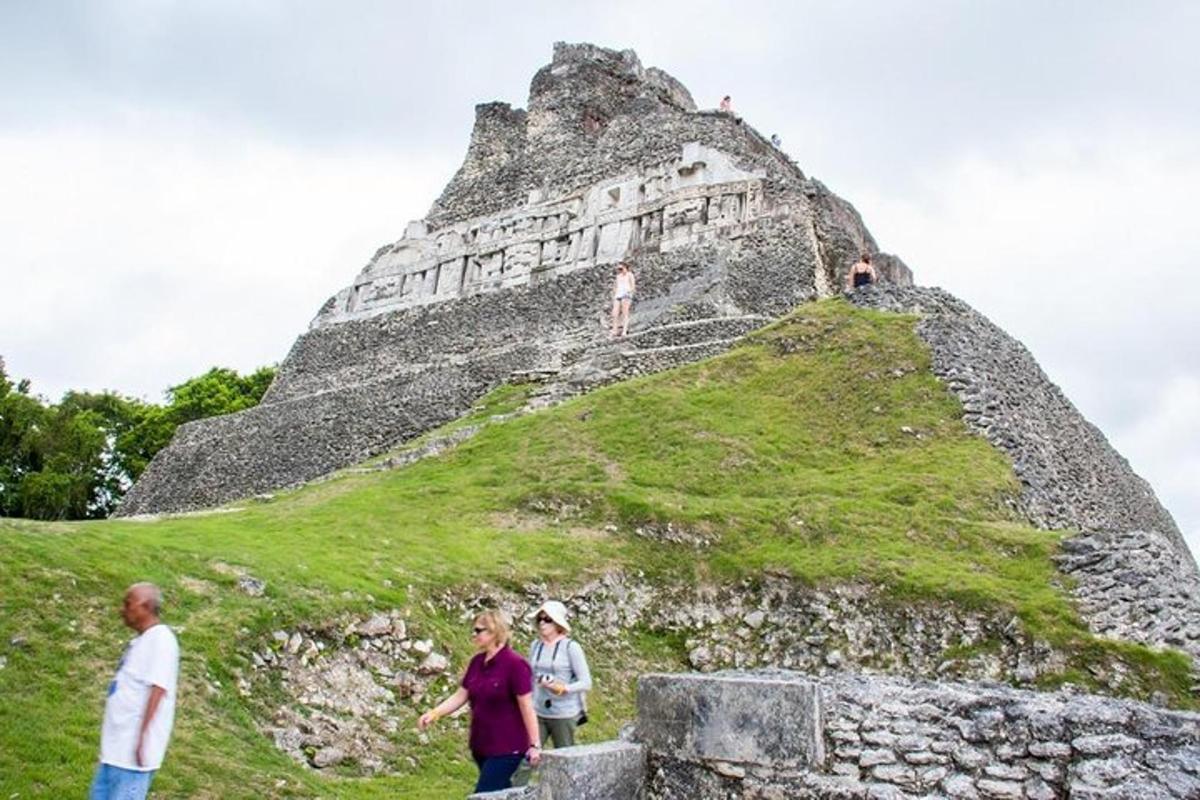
x,y
657,359
686,332
640,353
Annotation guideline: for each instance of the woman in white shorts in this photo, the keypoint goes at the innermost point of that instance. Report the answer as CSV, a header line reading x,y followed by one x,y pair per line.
x,y
623,288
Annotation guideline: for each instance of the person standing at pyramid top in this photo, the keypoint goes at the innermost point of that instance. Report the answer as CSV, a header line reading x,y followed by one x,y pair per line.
x,y
623,287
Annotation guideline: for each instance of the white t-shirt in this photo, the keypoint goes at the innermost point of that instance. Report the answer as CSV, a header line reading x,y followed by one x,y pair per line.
x,y
151,659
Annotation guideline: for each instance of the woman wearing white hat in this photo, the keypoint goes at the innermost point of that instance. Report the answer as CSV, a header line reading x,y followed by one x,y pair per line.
x,y
561,676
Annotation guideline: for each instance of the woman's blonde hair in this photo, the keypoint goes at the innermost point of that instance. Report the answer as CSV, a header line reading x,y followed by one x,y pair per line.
x,y
496,622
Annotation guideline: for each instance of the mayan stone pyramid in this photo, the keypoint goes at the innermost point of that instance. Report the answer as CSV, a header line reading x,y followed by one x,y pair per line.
x,y
511,272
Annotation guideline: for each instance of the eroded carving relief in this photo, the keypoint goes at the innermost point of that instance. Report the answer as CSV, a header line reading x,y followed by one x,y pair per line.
x,y
694,197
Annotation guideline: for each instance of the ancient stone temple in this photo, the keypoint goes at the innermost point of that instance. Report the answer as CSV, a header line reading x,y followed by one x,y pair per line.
x,y
511,272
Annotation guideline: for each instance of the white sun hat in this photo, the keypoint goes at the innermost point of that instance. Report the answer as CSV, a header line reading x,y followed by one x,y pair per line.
x,y
555,611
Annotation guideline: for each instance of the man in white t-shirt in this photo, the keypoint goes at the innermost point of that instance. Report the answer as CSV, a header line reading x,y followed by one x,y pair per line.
x,y
140,708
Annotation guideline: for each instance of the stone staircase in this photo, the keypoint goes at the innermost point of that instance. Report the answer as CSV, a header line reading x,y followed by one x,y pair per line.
x,y
585,363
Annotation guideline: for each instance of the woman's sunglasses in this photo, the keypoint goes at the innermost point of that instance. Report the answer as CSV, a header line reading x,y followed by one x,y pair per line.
x,y
543,618
478,630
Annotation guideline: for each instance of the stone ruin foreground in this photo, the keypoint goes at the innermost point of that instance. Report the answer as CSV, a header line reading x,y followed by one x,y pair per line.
x,y
777,735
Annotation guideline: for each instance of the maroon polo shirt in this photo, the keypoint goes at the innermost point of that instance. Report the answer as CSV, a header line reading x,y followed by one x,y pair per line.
x,y
492,689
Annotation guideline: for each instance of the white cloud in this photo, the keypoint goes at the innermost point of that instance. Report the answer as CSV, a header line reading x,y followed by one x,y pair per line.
x,y
139,256
1162,444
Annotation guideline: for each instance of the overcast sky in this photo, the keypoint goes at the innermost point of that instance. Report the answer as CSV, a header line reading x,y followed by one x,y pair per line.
x,y
183,184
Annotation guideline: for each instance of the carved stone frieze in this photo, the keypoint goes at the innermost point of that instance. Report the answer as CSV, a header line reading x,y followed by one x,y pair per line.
x,y
696,197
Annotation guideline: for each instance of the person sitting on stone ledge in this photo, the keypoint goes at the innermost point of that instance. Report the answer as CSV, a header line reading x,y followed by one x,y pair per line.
x,y
499,685
862,273
726,106
562,676
623,288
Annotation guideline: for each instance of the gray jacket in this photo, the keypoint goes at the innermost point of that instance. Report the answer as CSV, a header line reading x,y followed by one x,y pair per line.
x,y
563,660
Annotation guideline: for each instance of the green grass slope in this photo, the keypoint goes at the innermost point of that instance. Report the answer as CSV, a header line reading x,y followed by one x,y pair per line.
x,y
822,448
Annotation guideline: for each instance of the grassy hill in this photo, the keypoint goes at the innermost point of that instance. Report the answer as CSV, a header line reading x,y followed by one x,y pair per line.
x,y
821,449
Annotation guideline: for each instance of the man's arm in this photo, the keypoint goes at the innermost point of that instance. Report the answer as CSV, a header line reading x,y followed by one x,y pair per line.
x,y
157,693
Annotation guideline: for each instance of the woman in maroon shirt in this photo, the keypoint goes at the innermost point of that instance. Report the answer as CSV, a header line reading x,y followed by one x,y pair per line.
x,y
498,684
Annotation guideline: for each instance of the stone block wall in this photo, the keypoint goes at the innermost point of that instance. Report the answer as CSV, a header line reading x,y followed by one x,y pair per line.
x,y
892,738
774,734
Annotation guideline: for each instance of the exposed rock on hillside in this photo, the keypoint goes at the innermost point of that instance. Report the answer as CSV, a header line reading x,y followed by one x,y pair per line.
x,y
350,686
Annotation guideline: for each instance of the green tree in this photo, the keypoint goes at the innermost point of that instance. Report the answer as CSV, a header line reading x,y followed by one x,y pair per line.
x,y
22,419
218,391
76,459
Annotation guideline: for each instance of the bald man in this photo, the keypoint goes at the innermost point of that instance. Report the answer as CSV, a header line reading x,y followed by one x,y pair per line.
x,y
140,708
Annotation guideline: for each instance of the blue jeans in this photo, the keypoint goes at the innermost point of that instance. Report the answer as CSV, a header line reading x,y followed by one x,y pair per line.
x,y
116,783
495,772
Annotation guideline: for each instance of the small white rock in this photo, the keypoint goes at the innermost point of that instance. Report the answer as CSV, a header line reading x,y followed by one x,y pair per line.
x,y
433,664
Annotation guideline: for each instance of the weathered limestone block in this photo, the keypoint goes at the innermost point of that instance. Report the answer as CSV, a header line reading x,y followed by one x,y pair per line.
x,y
606,771
1118,748
746,718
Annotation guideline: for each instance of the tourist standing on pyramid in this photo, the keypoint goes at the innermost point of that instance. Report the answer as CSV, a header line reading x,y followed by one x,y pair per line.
x,y
623,288
862,273
499,686
140,708
562,676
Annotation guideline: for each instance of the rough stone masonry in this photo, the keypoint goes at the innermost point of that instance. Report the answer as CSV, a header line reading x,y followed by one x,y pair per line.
x,y
770,735
511,272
